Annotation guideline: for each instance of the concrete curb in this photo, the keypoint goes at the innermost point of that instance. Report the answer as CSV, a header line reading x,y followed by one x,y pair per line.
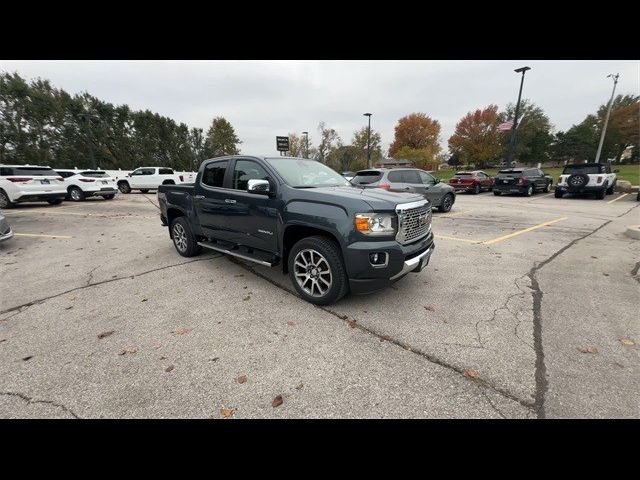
x,y
633,231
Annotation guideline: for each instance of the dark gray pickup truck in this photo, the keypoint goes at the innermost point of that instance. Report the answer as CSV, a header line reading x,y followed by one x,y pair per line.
x,y
330,236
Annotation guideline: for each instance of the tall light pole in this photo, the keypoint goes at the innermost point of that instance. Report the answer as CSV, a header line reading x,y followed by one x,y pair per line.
x,y
512,142
87,118
606,120
306,154
368,140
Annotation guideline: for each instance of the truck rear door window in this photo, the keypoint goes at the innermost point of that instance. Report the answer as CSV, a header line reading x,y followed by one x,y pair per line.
x,y
213,175
165,171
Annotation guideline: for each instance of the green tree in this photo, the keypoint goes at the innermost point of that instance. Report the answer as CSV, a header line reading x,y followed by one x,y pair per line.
x,y
359,141
329,141
534,135
221,139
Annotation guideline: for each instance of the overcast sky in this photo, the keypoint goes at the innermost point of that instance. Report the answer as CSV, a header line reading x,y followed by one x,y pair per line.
x,y
263,99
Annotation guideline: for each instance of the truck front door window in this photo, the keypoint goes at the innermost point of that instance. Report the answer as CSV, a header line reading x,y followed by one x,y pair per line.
x,y
246,170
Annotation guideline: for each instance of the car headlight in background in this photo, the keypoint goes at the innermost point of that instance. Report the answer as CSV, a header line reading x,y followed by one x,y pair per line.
x,y
375,223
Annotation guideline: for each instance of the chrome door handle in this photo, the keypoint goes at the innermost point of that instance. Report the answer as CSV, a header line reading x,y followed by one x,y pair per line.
x,y
228,200
199,197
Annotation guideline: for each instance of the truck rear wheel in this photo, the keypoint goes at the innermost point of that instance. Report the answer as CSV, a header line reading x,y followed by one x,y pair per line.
x,y
124,187
317,271
183,238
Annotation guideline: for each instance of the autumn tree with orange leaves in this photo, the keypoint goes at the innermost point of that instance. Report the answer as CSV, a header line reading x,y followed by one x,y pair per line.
x,y
476,138
417,139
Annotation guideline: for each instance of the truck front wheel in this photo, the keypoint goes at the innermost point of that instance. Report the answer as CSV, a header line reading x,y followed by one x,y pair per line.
x,y
317,271
183,238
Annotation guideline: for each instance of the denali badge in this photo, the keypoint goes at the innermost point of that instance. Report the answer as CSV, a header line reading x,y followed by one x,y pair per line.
x,y
265,231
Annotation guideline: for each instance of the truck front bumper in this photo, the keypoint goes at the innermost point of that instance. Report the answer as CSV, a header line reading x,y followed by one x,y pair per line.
x,y
401,259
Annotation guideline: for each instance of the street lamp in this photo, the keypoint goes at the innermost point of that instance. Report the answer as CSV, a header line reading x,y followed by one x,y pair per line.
x,y
512,142
368,140
306,134
606,120
86,119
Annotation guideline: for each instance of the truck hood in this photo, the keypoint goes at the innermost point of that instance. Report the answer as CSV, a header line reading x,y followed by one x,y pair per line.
x,y
377,198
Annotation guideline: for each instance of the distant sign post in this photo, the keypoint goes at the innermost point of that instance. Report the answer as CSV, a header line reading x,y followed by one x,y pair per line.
x,y
282,144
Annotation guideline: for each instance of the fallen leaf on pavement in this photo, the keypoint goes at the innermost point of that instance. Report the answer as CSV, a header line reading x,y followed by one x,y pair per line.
x,y
627,341
169,368
156,346
143,300
588,350
471,373
291,323
181,331
105,334
242,379
277,401
246,298
431,307
27,358
130,350
226,412
343,317
3,340
352,323
299,387
68,308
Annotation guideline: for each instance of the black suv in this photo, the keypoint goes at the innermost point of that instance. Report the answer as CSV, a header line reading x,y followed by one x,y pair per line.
x,y
525,181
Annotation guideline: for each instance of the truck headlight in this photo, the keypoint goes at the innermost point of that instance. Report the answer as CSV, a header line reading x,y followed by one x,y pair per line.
x,y
374,223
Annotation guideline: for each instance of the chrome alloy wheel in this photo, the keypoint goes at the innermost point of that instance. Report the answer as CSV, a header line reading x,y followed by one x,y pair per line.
x,y
312,272
180,237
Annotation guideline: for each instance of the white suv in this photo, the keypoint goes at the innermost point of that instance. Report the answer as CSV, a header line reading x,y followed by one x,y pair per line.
x,y
587,178
87,183
148,178
30,183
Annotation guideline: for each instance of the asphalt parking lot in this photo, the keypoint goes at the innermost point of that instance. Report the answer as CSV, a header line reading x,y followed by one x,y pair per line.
x,y
528,309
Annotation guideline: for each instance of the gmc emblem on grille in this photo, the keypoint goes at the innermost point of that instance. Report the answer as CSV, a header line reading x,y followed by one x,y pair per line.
x,y
423,219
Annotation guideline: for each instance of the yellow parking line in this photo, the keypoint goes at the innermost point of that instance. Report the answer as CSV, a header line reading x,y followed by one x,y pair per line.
x,y
520,232
36,235
616,199
537,198
447,215
442,237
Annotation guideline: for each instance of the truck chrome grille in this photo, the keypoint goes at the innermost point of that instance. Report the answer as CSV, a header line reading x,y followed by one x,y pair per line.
x,y
414,221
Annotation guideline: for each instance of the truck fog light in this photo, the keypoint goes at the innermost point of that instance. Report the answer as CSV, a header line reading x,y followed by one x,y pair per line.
x,y
378,259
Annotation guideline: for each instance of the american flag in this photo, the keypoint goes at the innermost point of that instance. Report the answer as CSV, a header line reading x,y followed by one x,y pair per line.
x,y
506,126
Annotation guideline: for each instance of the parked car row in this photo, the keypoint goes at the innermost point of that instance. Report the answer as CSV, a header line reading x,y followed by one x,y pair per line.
x,y
34,183
594,178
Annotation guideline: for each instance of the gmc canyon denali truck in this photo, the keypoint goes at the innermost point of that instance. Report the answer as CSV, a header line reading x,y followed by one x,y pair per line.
x,y
330,236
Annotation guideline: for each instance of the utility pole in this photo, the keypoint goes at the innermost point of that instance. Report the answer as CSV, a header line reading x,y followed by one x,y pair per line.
x,y
512,142
368,140
306,134
606,120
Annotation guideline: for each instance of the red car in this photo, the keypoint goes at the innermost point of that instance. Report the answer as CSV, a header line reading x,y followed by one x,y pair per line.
x,y
475,182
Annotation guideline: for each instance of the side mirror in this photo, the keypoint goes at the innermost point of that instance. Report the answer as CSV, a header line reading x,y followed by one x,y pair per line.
x,y
260,187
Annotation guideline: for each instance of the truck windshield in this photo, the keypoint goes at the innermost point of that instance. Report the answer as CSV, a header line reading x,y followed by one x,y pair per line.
x,y
303,173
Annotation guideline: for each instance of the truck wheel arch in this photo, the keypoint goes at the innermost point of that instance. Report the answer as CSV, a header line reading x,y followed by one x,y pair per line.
x,y
294,233
172,214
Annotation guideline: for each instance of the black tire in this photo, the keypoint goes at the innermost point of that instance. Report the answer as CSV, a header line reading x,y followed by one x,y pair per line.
x,y
476,189
447,203
497,193
610,189
601,194
144,190
76,194
4,201
56,201
109,197
529,191
558,193
124,187
330,251
183,238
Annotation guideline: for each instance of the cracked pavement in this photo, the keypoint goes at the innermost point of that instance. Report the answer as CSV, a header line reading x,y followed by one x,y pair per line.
x,y
501,339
